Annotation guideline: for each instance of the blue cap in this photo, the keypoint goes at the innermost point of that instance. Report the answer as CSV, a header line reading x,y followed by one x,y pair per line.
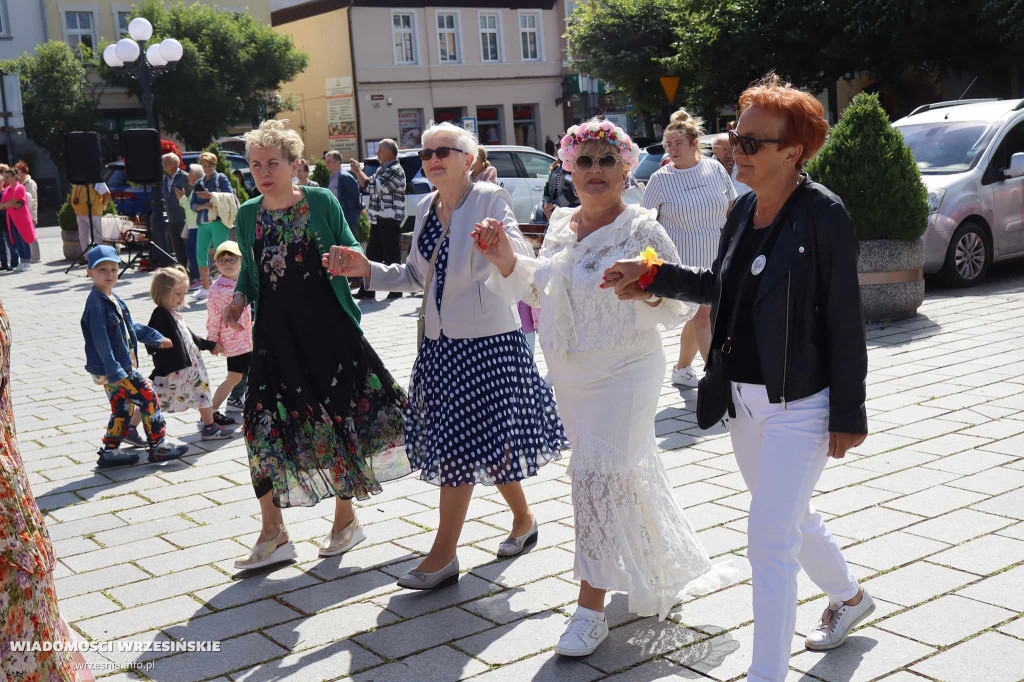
x,y
102,254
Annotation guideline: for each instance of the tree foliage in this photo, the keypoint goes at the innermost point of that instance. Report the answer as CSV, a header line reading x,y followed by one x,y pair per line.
x,y
624,42
55,95
320,174
866,162
231,69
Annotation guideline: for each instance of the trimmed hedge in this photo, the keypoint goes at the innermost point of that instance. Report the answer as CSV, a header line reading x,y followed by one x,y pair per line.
x,y
866,163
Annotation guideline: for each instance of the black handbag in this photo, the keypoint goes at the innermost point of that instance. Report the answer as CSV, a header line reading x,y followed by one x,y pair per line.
x,y
714,391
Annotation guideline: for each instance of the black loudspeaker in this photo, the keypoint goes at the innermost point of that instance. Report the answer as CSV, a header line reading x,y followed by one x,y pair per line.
x,y
141,150
82,157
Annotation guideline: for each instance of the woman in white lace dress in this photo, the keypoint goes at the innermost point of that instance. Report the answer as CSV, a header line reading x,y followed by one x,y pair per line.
x,y
606,365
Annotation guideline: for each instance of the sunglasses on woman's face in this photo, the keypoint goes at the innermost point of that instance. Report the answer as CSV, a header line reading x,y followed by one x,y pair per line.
x,y
605,163
442,152
748,143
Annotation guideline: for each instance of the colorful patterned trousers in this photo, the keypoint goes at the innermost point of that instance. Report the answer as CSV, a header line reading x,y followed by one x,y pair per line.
x,y
134,390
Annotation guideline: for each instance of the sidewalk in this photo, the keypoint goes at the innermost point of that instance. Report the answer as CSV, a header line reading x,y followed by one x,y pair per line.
x,y
930,512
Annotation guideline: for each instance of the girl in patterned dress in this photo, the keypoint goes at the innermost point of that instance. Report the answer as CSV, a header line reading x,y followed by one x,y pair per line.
x,y
478,410
322,416
179,374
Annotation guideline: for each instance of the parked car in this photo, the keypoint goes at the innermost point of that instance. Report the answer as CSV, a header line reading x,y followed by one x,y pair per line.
x,y
971,157
132,200
654,157
522,171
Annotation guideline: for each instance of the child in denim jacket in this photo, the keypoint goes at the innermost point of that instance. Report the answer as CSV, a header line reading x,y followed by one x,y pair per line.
x,y
111,357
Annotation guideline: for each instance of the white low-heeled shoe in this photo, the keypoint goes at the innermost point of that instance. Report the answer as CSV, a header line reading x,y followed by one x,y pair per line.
x,y
512,546
268,552
342,541
418,580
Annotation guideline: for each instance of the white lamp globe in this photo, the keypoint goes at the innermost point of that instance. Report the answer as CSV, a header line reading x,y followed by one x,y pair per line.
x,y
110,56
127,50
171,50
154,57
140,28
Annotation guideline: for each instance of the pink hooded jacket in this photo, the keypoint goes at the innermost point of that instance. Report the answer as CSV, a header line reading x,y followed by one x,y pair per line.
x,y
19,218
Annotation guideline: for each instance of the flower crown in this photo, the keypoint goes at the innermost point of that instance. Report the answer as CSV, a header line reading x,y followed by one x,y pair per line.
x,y
600,131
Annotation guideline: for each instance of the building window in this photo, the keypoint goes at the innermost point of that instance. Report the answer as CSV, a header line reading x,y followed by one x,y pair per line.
x,y
451,115
5,27
488,124
78,27
524,120
529,34
121,19
403,28
447,38
490,38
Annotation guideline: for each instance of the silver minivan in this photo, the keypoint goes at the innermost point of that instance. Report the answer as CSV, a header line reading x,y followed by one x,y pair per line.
x,y
971,157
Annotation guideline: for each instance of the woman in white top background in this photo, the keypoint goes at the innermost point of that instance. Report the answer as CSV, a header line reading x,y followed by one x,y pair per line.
x,y
692,196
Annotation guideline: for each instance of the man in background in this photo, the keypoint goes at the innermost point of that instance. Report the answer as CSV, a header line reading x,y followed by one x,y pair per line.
x,y
387,208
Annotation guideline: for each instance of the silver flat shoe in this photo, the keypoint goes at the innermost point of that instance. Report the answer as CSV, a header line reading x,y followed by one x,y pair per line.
x,y
418,580
349,536
267,553
513,546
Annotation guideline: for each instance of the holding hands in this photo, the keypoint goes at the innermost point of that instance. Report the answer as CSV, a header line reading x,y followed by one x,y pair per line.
x,y
494,244
623,276
341,260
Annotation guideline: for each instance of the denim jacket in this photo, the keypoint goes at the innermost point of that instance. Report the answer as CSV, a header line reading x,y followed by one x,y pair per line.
x,y
218,183
111,338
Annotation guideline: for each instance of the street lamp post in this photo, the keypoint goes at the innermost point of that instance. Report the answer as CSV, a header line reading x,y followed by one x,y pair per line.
x,y
155,59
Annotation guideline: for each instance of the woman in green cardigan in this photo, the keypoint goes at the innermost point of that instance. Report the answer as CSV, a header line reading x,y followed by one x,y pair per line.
x,y
322,417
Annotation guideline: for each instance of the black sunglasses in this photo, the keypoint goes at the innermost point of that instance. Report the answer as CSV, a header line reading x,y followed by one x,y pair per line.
x,y
442,152
748,143
605,163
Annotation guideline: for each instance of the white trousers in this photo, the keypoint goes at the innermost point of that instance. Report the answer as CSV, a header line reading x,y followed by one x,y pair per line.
x,y
781,454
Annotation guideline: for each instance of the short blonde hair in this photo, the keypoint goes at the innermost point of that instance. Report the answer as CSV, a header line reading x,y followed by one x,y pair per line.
x,y
165,280
208,157
466,140
274,134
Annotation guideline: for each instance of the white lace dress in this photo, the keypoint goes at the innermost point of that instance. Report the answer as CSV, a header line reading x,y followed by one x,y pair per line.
x,y
607,365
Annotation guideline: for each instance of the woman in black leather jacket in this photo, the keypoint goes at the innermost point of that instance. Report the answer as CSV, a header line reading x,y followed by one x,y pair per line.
x,y
797,363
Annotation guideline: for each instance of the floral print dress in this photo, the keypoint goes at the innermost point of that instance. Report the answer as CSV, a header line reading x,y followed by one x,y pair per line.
x,y
322,416
189,387
28,602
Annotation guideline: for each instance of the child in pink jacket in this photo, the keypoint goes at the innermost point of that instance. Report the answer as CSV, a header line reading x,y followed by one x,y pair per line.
x,y
237,343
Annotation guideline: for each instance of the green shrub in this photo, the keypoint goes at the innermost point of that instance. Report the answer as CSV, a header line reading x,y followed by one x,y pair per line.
x,y
364,228
866,163
320,174
224,166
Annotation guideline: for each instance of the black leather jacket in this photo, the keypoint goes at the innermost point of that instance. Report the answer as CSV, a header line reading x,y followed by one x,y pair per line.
x,y
807,308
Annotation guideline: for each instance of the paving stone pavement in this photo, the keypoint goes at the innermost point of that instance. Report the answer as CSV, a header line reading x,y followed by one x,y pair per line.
x,y
929,510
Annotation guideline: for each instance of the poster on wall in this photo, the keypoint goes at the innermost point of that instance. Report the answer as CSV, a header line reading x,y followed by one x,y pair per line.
x,y
341,115
410,128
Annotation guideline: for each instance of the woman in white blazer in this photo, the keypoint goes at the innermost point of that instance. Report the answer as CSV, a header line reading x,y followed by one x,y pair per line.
x,y
478,410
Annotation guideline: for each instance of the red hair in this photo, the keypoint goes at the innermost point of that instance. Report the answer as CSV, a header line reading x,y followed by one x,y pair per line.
x,y
802,115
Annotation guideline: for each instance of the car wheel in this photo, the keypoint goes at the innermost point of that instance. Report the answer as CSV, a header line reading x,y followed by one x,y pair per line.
x,y
968,255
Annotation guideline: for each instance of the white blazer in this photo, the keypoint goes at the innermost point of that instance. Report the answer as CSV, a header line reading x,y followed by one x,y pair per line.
x,y
468,308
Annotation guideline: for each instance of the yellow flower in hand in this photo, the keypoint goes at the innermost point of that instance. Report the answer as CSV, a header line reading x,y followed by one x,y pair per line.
x,y
650,257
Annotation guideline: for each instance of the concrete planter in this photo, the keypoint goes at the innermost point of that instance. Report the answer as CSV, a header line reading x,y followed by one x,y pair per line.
x,y
891,278
72,249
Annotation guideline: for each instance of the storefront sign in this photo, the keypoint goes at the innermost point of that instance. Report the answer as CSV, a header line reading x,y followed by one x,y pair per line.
x,y
341,115
469,123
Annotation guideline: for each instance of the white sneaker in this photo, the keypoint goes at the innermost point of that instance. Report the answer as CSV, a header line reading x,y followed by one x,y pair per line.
x,y
584,634
201,294
22,267
685,376
836,623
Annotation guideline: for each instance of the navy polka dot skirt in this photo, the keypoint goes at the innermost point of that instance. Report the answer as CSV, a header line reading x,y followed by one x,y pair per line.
x,y
479,411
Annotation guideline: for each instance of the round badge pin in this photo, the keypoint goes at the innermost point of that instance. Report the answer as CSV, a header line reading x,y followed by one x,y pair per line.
x,y
758,265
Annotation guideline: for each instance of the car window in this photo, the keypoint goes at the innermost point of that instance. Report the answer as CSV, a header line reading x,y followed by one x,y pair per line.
x,y
647,166
504,164
115,177
953,147
537,166
238,162
411,165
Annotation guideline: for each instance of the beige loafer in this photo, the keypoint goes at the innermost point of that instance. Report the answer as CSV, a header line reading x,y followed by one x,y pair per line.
x,y
342,541
268,552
